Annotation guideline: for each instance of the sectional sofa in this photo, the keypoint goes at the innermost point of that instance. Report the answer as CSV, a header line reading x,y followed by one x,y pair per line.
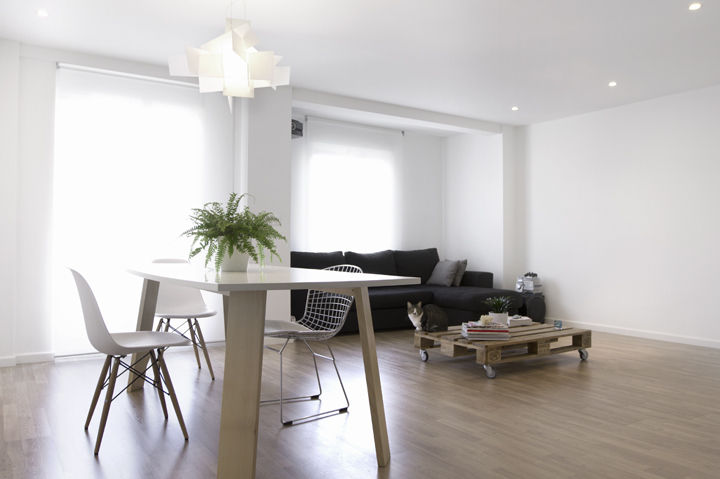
x,y
389,304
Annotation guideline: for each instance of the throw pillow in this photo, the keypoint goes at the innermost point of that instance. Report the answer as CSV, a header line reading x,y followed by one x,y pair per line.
x,y
462,266
444,273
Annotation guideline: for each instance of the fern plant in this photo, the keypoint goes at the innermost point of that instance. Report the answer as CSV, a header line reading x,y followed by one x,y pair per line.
x,y
498,304
224,229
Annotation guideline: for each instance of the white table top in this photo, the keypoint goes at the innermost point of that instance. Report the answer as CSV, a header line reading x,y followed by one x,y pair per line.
x,y
269,278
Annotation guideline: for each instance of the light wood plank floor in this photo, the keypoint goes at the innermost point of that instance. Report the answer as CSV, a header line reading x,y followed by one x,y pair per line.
x,y
637,409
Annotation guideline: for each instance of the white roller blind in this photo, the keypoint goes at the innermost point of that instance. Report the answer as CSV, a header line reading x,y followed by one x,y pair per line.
x,y
131,160
346,188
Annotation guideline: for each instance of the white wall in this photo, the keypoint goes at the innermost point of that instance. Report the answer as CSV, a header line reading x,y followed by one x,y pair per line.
x,y
513,197
9,103
622,216
421,211
473,207
33,333
265,165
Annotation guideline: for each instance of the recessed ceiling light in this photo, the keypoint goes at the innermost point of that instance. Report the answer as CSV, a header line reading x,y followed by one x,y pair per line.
x,y
694,6
42,13
612,84
514,108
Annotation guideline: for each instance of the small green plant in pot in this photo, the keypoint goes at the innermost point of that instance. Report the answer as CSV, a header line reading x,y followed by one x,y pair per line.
x,y
230,235
499,306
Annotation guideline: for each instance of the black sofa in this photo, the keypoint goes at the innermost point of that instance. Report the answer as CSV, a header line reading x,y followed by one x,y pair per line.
x,y
389,303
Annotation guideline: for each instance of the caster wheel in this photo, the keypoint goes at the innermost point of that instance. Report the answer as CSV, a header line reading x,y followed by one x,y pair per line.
x,y
490,372
424,355
583,354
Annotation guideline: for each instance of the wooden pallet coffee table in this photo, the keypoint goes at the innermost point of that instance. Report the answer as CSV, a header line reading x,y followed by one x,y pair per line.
x,y
525,342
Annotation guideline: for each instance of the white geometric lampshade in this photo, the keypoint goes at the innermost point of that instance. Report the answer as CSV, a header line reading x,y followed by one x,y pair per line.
x,y
231,64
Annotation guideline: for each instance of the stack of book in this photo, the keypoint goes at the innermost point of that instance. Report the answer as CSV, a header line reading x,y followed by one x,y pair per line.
x,y
475,331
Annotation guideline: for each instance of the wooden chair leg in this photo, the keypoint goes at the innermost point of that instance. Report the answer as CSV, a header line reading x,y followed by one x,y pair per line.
x,y
106,406
191,330
204,348
160,324
158,383
171,391
167,324
98,388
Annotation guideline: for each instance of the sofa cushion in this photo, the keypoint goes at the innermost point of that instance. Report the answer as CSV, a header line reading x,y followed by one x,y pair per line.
x,y
470,298
444,273
386,297
420,263
462,266
304,259
381,262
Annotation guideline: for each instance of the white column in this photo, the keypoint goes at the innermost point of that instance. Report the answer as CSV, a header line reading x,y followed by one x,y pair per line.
x,y
262,168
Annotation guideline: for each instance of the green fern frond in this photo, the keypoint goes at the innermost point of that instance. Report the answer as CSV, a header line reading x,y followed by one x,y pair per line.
x,y
224,229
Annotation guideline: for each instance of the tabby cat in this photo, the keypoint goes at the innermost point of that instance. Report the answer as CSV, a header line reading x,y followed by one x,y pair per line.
x,y
427,318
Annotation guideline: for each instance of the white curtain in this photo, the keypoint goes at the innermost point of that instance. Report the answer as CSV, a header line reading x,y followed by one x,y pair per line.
x,y
346,188
130,163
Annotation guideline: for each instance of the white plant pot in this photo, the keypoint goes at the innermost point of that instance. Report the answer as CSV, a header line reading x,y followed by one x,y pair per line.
x,y
500,318
236,262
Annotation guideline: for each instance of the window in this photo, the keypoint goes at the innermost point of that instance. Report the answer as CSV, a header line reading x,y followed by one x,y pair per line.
x,y
346,188
130,163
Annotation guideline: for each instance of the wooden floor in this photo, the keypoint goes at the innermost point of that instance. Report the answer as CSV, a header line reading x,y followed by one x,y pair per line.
x,y
636,409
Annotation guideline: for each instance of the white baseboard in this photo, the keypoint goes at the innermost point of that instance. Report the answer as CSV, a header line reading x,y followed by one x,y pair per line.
x,y
7,361
642,333
34,358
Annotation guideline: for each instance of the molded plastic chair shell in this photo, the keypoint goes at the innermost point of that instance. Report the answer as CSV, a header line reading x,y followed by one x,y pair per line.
x,y
178,301
117,344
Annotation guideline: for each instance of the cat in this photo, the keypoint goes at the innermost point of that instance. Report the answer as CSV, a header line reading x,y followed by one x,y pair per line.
x,y
429,318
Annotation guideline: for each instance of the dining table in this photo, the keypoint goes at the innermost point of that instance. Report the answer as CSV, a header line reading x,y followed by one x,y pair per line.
x,y
244,305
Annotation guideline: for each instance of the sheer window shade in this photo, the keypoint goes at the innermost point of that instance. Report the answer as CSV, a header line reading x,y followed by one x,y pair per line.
x,y
346,188
132,157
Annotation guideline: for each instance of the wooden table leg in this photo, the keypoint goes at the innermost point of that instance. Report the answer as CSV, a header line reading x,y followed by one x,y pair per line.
x,y
241,386
372,375
146,317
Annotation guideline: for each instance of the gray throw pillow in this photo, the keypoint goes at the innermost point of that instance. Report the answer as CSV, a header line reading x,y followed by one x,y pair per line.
x,y
444,273
462,266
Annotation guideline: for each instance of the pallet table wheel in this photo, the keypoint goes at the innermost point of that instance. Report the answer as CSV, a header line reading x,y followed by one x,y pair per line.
x,y
423,355
583,353
489,371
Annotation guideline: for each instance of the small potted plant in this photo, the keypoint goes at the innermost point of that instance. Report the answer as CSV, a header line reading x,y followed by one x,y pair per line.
x,y
499,306
231,235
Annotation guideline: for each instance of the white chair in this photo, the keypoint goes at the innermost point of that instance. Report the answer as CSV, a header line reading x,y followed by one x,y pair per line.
x,y
178,302
118,345
324,316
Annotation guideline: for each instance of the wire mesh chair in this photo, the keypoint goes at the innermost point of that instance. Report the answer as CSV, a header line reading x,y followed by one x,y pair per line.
x,y
324,316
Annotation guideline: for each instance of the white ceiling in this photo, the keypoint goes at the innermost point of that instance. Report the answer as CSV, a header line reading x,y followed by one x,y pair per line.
x,y
475,58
